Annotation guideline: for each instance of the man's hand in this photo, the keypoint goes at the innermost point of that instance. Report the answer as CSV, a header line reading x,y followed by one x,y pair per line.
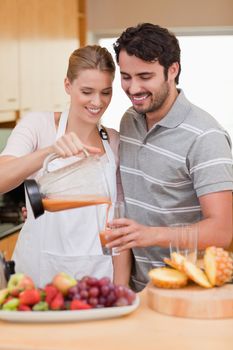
x,y
126,234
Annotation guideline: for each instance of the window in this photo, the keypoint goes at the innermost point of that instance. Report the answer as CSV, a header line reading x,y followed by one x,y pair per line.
x,y
206,78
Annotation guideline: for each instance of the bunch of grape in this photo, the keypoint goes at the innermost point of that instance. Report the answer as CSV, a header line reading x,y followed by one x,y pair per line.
x,y
101,293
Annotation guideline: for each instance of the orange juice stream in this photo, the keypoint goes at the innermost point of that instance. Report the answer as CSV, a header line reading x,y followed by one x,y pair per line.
x,y
69,202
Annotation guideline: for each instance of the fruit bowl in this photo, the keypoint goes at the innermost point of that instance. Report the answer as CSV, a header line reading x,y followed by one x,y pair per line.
x,y
64,299
69,316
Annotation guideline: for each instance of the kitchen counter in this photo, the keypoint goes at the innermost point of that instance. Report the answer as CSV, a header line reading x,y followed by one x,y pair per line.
x,y
143,329
9,229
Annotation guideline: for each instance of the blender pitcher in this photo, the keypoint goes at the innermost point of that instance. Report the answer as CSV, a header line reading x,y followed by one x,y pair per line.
x,y
79,184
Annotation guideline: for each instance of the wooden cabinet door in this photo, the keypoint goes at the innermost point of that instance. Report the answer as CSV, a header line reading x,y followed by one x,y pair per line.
x,y
9,83
48,34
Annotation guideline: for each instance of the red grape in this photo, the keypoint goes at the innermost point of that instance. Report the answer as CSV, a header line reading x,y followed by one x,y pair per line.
x,y
101,292
94,292
93,301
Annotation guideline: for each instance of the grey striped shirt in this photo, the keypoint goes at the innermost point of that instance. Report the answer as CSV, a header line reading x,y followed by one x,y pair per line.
x,y
164,171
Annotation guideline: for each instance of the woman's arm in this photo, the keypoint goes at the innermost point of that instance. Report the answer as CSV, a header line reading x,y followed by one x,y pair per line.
x,y
14,170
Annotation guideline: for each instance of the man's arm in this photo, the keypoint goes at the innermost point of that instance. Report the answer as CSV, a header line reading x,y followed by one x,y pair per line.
x,y
122,268
215,228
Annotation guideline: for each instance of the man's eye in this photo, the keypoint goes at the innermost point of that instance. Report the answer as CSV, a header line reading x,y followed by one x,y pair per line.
x,y
145,77
123,77
86,92
107,93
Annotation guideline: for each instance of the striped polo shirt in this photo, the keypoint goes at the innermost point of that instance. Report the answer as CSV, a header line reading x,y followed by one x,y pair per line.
x,y
185,155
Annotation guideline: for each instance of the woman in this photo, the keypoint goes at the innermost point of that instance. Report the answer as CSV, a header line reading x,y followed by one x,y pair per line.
x,y
66,240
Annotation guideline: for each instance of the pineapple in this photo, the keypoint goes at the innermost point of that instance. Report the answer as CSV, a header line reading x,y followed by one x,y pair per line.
x,y
170,263
218,265
196,274
176,261
165,277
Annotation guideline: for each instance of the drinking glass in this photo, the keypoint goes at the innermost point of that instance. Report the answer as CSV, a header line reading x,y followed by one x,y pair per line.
x,y
184,240
116,211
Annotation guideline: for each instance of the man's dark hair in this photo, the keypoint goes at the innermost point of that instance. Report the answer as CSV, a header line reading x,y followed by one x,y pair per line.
x,y
150,42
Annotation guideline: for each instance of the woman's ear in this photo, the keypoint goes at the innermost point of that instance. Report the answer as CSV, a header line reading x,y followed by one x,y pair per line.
x,y
67,85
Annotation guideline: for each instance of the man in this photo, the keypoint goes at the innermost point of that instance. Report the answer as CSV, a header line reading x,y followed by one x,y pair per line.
x,y
176,163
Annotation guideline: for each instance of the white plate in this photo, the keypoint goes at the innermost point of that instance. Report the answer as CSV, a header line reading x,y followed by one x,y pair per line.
x,y
64,316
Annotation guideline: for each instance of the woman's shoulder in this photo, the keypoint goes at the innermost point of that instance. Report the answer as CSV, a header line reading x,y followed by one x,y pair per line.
x,y
38,121
38,117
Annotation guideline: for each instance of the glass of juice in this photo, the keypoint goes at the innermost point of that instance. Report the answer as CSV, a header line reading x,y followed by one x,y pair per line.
x,y
115,211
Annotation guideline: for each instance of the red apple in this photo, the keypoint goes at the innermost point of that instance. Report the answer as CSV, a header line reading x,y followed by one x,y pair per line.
x,y
19,282
63,282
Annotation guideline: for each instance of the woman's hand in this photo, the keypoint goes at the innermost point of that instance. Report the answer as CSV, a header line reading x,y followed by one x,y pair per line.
x,y
70,145
24,213
126,234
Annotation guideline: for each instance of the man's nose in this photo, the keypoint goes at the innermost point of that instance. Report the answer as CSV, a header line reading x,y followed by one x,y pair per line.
x,y
134,87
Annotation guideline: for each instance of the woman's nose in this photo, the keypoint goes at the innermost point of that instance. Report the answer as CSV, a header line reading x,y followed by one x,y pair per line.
x,y
96,100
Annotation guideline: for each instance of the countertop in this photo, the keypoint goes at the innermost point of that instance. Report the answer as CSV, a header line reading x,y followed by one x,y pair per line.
x,y
143,329
7,230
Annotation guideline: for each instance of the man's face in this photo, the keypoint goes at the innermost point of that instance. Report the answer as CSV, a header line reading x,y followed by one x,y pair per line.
x,y
144,83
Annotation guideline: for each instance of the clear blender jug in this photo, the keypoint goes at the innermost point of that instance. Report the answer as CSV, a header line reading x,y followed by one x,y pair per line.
x,y
79,184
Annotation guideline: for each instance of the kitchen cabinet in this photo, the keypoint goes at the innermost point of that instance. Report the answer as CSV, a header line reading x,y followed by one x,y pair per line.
x,y
9,88
48,34
36,40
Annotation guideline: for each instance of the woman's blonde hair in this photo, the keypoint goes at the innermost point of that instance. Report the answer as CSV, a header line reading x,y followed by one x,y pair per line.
x,y
90,57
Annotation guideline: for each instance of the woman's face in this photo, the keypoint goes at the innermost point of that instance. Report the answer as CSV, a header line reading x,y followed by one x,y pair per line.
x,y
90,94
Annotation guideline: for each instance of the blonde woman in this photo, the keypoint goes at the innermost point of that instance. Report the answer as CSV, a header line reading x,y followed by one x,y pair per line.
x,y
67,240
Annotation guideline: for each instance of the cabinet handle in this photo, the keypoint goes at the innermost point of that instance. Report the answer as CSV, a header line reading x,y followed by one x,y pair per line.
x,y
12,99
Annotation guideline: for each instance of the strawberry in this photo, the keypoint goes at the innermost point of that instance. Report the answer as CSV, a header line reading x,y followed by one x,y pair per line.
x,y
50,291
24,308
79,305
29,297
58,302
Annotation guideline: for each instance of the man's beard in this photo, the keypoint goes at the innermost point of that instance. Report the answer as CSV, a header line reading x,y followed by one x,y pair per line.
x,y
157,102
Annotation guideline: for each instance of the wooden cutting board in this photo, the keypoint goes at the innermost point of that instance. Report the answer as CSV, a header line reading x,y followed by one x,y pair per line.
x,y
192,301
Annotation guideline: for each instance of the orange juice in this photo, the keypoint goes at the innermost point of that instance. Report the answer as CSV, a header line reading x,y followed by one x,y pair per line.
x,y
68,202
102,238
104,231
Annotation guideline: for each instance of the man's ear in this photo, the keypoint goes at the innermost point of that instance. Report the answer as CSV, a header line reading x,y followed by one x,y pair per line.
x,y
174,70
67,85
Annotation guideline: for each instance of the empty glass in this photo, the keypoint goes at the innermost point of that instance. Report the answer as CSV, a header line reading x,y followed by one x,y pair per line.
x,y
184,240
